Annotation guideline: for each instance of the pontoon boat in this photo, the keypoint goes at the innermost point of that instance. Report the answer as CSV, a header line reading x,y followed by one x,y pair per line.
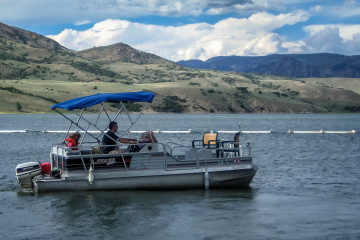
x,y
149,164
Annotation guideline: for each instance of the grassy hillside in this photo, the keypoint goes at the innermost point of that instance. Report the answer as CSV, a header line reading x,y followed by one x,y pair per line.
x,y
344,83
33,78
214,92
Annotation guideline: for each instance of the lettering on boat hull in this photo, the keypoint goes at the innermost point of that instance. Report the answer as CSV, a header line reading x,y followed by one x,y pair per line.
x,y
107,161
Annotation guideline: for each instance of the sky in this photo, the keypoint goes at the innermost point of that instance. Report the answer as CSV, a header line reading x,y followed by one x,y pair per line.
x,y
194,29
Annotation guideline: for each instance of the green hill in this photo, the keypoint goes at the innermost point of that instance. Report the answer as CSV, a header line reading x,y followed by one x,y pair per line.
x,y
36,72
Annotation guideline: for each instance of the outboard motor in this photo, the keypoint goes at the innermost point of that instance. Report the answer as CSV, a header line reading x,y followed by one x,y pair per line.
x,y
25,172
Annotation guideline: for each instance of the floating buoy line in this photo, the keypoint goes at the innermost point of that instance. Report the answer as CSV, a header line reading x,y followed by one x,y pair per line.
x,y
188,131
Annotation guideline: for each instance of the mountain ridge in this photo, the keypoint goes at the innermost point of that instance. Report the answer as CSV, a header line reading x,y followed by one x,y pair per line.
x,y
120,52
322,65
27,38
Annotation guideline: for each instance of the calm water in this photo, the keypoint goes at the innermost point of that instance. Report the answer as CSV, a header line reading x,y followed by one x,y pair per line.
x,y
307,186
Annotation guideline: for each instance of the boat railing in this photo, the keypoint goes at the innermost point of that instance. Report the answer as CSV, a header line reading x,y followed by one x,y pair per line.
x,y
233,148
89,153
226,153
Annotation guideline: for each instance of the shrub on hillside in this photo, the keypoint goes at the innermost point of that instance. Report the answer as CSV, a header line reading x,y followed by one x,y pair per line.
x,y
171,104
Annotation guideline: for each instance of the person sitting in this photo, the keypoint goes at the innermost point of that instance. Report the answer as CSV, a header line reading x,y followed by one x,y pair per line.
x,y
148,137
110,139
73,140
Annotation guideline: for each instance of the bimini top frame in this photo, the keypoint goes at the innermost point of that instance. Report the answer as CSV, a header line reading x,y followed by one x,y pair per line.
x,y
92,100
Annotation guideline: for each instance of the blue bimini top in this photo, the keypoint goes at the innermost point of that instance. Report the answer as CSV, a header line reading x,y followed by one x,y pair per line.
x,y
88,101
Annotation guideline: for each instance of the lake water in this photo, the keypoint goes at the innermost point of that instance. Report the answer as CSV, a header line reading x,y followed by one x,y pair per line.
x,y
307,186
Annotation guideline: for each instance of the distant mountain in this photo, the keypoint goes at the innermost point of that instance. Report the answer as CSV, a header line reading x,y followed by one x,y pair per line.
x,y
24,54
28,38
321,65
121,52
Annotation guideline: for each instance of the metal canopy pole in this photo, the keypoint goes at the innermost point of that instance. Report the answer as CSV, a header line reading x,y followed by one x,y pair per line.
x,y
75,122
71,123
132,123
104,109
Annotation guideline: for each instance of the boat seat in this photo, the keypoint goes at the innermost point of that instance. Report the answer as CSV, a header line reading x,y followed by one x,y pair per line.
x,y
148,137
71,153
237,139
209,141
231,146
97,150
78,152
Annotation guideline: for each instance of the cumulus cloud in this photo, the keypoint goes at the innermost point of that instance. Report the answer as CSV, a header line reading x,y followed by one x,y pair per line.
x,y
231,36
333,38
256,34
325,40
265,45
337,11
346,32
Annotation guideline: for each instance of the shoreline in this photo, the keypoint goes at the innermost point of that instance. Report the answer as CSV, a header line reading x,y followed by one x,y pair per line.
x,y
152,112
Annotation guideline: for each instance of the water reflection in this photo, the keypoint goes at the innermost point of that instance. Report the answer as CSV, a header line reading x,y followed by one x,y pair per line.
x,y
137,214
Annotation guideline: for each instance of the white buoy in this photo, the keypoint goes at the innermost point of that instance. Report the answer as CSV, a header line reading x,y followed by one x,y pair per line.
x,y
91,175
206,180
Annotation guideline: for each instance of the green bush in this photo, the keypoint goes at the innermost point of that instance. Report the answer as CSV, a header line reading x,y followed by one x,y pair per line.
x,y
18,107
352,108
276,93
93,68
133,107
242,89
171,104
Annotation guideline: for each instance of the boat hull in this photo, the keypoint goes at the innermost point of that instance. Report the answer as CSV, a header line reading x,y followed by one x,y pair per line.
x,y
151,180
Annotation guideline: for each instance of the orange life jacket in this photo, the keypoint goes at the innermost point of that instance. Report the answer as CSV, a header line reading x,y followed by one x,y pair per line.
x,y
71,143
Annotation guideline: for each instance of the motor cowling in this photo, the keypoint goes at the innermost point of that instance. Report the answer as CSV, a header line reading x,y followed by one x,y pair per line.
x,y
25,172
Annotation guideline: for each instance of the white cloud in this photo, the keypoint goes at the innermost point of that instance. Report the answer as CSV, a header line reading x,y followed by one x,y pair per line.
x,y
43,12
349,9
335,38
345,31
325,40
298,47
317,9
48,12
232,36
247,6
265,45
82,22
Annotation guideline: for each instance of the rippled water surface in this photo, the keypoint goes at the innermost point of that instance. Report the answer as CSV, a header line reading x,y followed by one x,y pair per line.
x,y
307,186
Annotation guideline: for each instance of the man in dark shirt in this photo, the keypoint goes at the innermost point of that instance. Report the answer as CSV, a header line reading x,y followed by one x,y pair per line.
x,y
110,138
